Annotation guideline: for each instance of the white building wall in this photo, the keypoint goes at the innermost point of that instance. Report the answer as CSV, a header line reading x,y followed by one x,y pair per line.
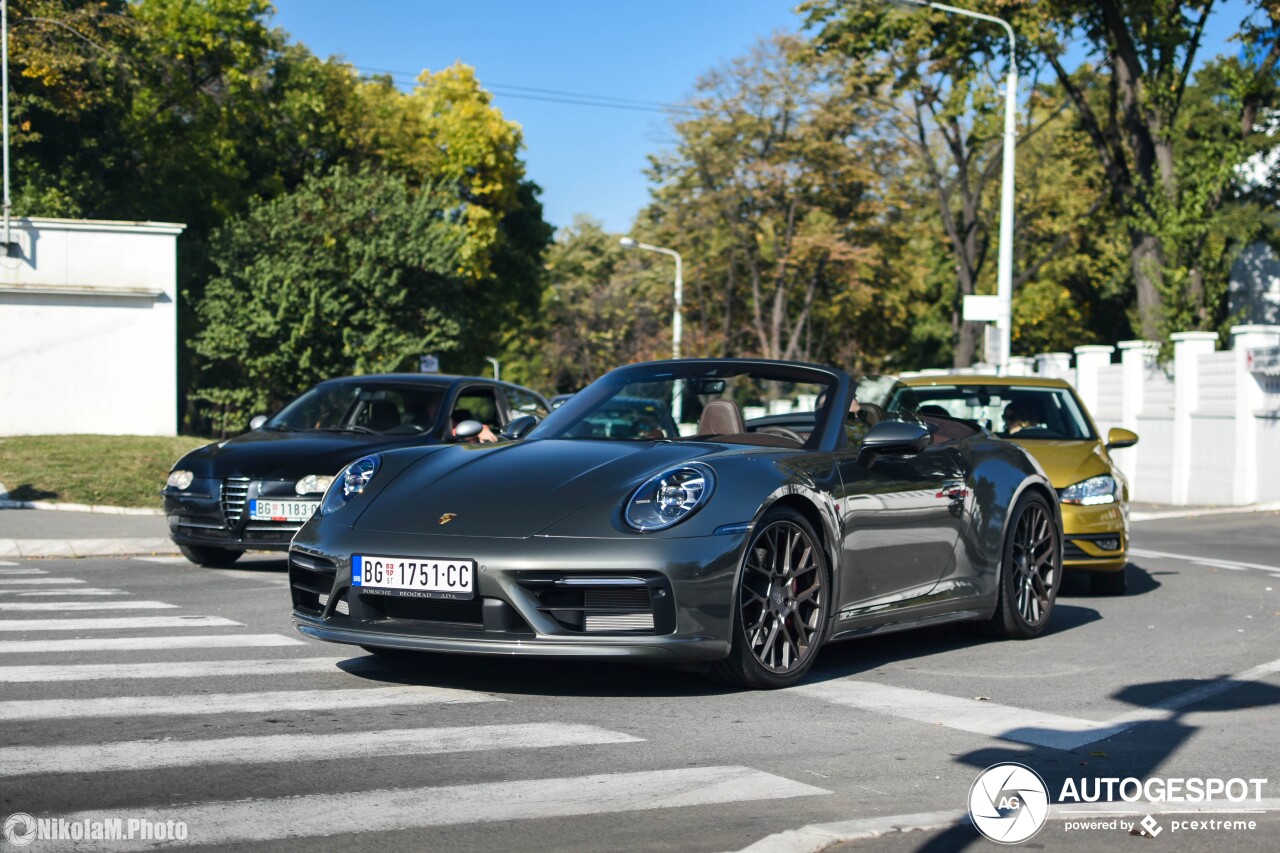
x,y
88,329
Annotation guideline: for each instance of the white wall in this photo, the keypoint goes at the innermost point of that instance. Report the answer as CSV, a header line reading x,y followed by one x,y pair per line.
x,y
88,328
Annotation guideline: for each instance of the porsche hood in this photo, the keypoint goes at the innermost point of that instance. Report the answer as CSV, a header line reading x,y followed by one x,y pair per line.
x,y
515,490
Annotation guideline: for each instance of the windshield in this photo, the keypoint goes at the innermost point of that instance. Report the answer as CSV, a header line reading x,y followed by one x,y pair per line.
x,y
734,403
362,408
1011,411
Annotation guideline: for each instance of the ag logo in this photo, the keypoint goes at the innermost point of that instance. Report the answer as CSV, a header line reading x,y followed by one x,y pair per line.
x,y
20,829
1008,803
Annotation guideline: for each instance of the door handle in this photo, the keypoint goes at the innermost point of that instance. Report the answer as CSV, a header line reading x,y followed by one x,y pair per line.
x,y
954,490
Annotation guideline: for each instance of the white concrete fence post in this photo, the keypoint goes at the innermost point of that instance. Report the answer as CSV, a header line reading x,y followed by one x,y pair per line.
x,y
1187,349
1089,360
1138,363
1250,398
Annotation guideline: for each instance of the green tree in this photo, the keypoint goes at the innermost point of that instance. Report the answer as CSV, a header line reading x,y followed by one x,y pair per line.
x,y
350,273
773,192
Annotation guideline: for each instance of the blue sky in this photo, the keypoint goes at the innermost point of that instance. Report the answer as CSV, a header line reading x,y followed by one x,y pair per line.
x,y
586,159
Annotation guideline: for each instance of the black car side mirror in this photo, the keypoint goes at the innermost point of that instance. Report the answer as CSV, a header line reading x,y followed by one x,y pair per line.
x,y
896,436
467,430
519,427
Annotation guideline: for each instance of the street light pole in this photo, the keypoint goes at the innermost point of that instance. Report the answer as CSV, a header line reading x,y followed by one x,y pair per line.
x,y
1004,275
496,375
677,318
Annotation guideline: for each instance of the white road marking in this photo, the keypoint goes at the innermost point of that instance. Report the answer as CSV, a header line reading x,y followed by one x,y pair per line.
x,y
276,749
1023,725
970,715
22,571
1212,562
318,815
69,606
114,624
239,704
7,563
120,644
174,669
172,561
38,581
84,592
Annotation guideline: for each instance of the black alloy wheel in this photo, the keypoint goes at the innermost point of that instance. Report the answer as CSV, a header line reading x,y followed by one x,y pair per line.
x,y
781,608
1031,571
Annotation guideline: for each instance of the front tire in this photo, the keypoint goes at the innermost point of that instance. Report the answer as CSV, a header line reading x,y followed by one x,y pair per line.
x,y
1030,571
209,555
780,606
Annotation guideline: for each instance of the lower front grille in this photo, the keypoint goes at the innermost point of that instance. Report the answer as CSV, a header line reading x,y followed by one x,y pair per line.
x,y
310,578
466,615
235,491
607,611
1103,541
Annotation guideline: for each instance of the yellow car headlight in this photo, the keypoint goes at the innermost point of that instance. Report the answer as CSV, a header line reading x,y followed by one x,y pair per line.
x,y
1094,491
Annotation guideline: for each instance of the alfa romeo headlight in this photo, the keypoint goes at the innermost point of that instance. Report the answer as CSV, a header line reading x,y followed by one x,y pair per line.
x,y
670,497
179,479
349,483
313,484
1094,491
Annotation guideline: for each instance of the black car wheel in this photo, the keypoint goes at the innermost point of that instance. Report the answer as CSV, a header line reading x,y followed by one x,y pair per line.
x,y
1031,571
1108,583
781,607
209,555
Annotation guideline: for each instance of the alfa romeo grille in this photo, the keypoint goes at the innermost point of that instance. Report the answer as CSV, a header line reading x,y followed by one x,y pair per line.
x,y
234,492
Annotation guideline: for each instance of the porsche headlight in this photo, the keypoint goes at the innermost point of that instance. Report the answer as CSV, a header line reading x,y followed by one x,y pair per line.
x,y
670,497
179,479
1094,491
349,483
313,484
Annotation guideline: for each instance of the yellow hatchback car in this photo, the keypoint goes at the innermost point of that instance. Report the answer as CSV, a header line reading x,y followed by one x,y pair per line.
x,y
1046,418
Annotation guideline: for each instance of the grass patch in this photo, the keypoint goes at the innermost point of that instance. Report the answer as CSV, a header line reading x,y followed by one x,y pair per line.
x,y
116,470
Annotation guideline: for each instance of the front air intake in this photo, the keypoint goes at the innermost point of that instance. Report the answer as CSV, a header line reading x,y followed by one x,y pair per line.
x,y
609,611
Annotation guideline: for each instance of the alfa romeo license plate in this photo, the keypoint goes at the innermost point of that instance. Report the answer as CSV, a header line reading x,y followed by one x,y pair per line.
x,y
418,577
268,510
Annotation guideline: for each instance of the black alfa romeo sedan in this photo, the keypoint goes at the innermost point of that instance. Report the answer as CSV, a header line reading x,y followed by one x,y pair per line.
x,y
254,491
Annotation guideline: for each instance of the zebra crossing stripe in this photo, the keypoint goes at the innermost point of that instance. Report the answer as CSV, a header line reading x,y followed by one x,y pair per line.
x,y
175,669
275,701
82,592
129,644
117,624
318,815
23,571
37,581
71,606
276,749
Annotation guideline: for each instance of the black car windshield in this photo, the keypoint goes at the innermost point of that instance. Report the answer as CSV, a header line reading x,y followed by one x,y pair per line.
x,y
733,403
362,408
1011,411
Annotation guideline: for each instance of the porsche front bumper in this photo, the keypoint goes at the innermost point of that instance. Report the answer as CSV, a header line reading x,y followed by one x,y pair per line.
x,y
641,597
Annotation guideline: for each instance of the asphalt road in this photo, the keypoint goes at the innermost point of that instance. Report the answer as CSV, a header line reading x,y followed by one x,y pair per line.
x,y
220,716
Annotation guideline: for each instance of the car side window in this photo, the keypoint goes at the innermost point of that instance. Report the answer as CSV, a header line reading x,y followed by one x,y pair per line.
x,y
521,402
479,404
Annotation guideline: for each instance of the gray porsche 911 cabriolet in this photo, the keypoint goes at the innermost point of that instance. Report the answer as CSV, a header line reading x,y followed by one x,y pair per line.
x,y
758,510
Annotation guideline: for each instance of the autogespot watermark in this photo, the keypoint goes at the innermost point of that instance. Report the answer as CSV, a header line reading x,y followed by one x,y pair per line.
x,y
21,829
1009,803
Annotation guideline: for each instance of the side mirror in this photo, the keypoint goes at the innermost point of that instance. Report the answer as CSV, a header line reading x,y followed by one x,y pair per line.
x,y
896,436
1118,438
519,427
257,421
466,430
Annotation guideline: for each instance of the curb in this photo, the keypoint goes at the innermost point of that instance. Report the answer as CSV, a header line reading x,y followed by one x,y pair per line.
x,y
1196,513
5,503
36,548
